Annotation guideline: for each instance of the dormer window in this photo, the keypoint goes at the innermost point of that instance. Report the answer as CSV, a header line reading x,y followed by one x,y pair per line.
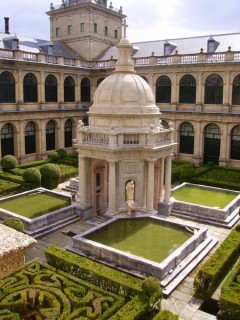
x,y
15,43
169,47
212,45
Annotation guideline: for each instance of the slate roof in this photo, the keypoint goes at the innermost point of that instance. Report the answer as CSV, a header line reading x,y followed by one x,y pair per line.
x,y
33,45
191,45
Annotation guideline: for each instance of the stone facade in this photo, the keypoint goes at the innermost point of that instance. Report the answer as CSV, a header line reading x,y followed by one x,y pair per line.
x,y
13,245
205,131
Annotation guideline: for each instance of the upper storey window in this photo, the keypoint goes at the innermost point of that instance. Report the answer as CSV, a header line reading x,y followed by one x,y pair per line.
x,y
69,29
95,27
57,32
106,31
82,27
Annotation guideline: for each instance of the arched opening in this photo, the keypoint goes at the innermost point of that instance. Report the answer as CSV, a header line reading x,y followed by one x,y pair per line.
x,y
163,90
7,88
85,90
99,81
30,91
236,90
187,89
235,143
50,135
68,133
212,142
69,89
51,91
213,89
30,138
7,140
186,141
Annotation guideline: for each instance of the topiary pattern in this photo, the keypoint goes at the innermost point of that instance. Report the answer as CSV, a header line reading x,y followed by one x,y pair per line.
x,y
33,176
14,223
9,162
50,174
39,291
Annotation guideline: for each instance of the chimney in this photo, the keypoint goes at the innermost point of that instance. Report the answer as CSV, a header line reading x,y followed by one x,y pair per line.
x,y
6,25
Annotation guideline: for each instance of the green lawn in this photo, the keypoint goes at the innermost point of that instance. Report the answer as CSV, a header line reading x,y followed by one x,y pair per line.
x,y
34,204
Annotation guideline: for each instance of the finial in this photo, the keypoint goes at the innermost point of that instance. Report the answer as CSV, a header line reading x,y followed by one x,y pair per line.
x,y
125,28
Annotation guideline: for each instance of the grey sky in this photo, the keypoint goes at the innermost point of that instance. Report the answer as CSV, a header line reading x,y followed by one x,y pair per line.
x,y
147,20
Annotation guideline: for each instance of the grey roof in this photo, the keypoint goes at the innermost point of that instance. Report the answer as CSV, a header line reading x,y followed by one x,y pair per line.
x,y
33,45
191,45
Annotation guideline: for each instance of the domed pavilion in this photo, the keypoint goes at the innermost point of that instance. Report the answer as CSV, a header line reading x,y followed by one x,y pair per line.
x,y
124,152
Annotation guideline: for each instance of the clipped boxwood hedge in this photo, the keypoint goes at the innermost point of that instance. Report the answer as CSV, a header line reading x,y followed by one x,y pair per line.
x,y
93,272
33,164
166,315
229,306
218,265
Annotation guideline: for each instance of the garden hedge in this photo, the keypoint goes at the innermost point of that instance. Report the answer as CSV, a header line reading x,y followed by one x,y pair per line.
x,y
50,174
229,306
98,274
166,315
14,223
218,265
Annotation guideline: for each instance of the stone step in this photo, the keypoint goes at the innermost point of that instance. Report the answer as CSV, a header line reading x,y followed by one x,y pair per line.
x,y
227,223
57,225
187,265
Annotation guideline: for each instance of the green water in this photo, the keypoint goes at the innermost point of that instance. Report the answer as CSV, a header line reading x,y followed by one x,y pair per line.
x,y
147,238
34,204
204,196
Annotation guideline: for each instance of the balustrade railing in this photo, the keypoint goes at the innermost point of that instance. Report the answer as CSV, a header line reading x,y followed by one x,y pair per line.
x,y
96,138
221,57
131,139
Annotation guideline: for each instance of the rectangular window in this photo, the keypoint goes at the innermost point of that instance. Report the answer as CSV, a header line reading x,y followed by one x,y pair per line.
x,y
57,32
106,31
115,34
82,27
95,27
69,29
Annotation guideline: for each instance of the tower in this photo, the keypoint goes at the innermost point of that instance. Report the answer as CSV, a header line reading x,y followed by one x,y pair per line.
x,y
88,27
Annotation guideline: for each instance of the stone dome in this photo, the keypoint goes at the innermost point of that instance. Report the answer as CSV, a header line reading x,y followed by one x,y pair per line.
x,y
124,92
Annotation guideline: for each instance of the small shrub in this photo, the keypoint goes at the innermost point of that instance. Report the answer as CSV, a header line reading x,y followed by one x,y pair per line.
x,y
53,156
33,176
50,175
14,223
187,171
62,153
152,293
9,162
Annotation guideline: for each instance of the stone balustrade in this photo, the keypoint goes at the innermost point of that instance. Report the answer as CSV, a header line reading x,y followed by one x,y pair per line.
x,y
126,140
201,57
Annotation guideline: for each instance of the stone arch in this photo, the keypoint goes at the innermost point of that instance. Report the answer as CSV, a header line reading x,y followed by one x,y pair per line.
x,y
212,142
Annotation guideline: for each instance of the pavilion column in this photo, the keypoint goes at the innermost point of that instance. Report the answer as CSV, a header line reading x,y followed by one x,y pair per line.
x,y
82,181
161,180
150,185
168,171
112,187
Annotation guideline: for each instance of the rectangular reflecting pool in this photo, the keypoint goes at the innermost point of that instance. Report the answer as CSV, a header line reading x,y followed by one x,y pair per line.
x,y
146,244
147,238
205,196
206,204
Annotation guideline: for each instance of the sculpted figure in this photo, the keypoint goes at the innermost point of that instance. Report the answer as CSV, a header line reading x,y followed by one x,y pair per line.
x,y
130,189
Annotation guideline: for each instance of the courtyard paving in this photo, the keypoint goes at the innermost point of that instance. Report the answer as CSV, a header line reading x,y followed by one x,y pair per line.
x,y
181,301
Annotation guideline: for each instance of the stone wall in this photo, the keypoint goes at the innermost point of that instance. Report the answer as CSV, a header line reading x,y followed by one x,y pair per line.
x,y
13,245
